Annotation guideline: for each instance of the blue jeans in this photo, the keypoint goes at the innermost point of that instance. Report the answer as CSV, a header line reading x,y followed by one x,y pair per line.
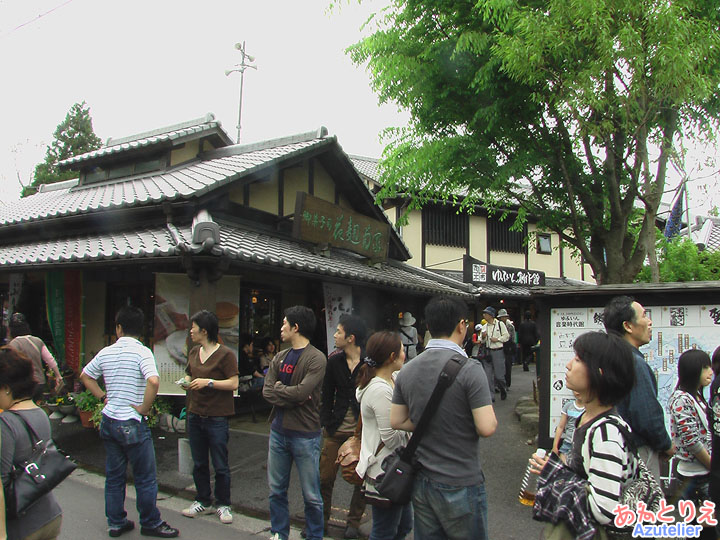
x,y
129,441
392,523
449,512
210,435
282,451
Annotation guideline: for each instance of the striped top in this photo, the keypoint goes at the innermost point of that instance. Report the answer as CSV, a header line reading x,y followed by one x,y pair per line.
x,y
125,365
611,465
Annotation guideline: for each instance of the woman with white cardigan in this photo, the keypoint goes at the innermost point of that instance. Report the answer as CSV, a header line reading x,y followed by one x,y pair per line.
x,y
385,356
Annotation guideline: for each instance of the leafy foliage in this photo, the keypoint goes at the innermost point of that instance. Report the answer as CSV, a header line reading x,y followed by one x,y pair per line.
x,y
682,261
567,111
73,136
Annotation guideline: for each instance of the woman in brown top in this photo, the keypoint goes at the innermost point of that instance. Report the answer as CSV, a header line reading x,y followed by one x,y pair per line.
x,y
212,377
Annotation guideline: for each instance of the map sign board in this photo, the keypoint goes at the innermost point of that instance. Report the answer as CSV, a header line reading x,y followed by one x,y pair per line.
x,y
676,328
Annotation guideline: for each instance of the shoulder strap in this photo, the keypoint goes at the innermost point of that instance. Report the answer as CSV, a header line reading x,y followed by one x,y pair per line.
x,y
445,379
32,435
29,338
611,419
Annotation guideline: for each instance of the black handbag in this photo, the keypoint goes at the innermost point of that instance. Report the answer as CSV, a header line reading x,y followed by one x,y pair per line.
x,y
36,476
400,467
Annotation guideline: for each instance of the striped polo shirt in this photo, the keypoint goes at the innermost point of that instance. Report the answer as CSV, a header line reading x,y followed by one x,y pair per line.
x,y
125,365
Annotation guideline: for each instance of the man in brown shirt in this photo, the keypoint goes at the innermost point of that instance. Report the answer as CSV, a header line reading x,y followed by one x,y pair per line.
x,y
212,377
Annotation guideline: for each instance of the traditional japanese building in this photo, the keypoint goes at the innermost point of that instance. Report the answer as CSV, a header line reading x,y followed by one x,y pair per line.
x,y
179,219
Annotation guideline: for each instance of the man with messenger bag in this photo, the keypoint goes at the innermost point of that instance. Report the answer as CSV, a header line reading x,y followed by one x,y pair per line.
x,y
448,495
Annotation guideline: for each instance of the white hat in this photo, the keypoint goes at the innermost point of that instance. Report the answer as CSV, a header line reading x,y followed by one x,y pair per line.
x,y
503,313
406,319
478,327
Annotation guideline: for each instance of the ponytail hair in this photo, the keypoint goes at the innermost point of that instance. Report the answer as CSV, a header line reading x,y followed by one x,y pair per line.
x,y
378,350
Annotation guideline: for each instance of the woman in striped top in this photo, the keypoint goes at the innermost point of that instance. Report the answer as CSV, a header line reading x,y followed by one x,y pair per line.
x,y
689,425
602,374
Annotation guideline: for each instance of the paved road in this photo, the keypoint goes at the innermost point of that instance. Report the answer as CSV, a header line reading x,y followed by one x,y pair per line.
x,y
81,498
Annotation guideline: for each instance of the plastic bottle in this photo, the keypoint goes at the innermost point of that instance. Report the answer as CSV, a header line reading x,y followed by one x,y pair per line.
x,y
528,488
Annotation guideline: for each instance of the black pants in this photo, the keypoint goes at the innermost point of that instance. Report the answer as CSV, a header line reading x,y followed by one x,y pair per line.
x,y
527,355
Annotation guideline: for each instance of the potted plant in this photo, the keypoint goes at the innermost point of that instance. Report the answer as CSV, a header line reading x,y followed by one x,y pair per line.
x,y
66,404
160,407
86,403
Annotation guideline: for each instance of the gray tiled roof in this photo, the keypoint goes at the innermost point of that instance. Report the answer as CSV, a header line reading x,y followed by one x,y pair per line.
x,y
207,124
140,243
255,247
183,182
516,291
244,246
367,166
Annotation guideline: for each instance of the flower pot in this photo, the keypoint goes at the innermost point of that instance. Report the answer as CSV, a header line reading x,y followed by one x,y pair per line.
x,y
85,418
67,409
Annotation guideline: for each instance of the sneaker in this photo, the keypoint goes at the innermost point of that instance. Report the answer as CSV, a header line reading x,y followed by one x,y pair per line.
x,y
161,531
224,514
275,536
351,532
196,509
117,531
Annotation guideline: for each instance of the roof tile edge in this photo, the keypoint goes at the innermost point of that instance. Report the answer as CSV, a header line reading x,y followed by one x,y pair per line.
x,y
320,133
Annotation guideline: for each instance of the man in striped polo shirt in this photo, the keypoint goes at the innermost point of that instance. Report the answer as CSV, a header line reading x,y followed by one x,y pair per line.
x,y
132,382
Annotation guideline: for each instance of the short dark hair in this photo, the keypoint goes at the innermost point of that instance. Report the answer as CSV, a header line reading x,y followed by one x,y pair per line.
x,y
131,319
354,326
208,321
267,340
616,312
17,373
610,365
690,366
18,325
305,319
443,313
528,315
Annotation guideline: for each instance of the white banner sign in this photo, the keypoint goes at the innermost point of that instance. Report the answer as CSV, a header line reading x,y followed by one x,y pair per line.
x,y
338,301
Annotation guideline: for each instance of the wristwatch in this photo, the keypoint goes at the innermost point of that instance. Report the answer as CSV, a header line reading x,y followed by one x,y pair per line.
x,y
211,383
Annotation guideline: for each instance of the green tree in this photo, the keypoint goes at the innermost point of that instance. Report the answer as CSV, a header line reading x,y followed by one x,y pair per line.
x,y
73,136
566,110
680,260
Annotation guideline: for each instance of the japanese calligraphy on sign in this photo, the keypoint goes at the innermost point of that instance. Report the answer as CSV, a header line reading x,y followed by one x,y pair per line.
x,y
321,222
479,273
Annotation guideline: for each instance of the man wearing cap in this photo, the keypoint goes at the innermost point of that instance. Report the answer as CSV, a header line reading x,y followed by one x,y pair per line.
x,y
408,334
509,347
495,334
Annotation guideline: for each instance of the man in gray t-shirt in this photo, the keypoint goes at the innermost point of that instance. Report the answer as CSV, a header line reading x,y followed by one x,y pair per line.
x,y
449,495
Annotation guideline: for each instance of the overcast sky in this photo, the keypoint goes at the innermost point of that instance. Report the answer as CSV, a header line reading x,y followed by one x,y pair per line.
x,y
144,64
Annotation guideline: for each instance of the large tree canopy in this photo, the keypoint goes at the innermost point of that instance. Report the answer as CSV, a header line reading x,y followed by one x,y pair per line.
x,y
566,110
73,136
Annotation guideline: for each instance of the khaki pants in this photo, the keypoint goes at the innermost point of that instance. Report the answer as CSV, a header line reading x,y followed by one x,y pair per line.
x,y
328,474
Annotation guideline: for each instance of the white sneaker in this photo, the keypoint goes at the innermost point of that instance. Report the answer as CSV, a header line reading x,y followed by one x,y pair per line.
x,y
224,514
196,509
275,536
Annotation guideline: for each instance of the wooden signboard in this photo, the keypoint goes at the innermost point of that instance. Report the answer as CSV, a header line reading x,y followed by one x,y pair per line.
x,y
320,222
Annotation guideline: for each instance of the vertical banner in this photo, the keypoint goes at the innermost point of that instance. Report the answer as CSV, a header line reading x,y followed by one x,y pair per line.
x,y
55,305
73,319
14,290
338,301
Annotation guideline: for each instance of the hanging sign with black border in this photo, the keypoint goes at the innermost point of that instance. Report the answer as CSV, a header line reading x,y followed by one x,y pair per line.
x,y
479,273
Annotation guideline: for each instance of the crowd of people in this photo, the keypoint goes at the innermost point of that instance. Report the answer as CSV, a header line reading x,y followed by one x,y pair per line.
x,y
371,387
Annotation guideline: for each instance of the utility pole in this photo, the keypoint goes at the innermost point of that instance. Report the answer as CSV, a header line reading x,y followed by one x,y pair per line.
x,y
245,62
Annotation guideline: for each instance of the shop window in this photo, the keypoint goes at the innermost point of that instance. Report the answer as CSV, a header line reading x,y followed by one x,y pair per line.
x,y
443,226
261,313
502,238
544,244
